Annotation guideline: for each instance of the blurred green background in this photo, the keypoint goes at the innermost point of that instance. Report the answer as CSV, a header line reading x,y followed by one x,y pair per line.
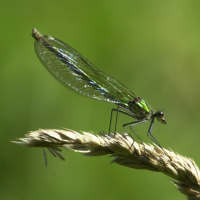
x,y
152,47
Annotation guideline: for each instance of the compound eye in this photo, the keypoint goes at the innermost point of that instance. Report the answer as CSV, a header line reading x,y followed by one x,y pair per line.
x,y
161,114
161,117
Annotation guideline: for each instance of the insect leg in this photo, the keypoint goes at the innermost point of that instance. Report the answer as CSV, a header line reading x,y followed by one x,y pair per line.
x,y
149,134
116,118
131,127
111,115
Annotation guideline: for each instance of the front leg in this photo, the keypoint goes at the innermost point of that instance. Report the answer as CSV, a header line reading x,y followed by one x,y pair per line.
x,y
149,133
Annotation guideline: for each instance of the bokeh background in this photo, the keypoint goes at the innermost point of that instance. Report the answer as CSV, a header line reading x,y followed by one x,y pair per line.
x,y
153,47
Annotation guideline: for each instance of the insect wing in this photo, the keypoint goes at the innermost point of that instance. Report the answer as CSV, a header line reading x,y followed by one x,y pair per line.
x,y
78,74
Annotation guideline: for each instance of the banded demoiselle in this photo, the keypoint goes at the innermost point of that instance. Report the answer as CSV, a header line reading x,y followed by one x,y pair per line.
x,y
78,74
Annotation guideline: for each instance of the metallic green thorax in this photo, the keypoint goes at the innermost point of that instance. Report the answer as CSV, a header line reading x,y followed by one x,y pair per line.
x,y
139,109
143,105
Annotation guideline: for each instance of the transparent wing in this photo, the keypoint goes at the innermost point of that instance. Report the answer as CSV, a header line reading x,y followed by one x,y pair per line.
x,y
78,74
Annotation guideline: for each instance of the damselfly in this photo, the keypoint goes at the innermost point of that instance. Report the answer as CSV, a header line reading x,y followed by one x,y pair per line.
x,y
78,74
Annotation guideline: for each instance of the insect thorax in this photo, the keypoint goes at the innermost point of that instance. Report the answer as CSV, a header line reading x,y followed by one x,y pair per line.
x,y
139,109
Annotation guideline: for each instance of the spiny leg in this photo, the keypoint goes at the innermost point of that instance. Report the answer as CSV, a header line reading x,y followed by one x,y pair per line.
x,y
131,127
111,120
116,110
116,118
149,134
